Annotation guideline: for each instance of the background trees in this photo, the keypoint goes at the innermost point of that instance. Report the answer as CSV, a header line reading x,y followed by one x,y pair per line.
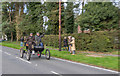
x,y
53,17
69,18
33,18
20,18
8,19
99,16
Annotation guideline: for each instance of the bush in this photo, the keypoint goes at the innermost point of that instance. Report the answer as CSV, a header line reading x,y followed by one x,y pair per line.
x,y
96,41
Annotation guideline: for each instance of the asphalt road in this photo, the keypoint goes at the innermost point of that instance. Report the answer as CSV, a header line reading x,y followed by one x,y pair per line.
x,y
13,64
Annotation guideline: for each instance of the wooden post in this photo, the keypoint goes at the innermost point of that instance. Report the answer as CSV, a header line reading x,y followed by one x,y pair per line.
x,y
59,25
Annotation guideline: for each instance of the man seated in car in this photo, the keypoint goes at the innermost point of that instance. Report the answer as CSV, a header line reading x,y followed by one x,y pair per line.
x,y
38,39
31,42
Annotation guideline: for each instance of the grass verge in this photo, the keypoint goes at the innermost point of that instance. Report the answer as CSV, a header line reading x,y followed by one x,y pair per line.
x,y
107,62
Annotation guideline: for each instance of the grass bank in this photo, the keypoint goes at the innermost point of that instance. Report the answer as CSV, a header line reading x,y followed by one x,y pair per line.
x,y
108,62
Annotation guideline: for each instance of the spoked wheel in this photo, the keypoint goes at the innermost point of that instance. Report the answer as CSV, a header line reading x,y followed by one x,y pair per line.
x,y
39,54
21,52
28,55
47,54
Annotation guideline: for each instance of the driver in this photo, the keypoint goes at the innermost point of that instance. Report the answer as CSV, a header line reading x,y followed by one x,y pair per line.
x,y
30,42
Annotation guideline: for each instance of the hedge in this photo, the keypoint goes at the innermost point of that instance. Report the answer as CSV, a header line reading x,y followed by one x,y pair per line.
x,y
95,41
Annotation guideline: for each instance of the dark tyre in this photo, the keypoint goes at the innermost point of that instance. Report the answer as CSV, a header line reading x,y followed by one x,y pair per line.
x,y
47,54
28,55
21,52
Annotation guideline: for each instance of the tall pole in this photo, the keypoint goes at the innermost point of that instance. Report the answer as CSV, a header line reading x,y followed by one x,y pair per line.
x,y
59,25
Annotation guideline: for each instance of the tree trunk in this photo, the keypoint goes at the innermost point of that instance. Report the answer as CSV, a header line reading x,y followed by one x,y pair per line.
x,y
11,36
17,21
10,25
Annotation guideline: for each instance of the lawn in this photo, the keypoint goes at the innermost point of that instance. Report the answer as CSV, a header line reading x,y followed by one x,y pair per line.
x,y
108,62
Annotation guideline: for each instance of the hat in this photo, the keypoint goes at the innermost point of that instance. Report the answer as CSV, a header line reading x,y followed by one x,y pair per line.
x,y
73,38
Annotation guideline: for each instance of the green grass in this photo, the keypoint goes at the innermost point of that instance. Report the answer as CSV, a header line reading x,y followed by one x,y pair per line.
x,y
108,62
15,45
114,52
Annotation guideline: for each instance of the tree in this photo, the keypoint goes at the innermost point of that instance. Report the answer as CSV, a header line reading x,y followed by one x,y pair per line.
x,y
69,18
33,18
7,18
18,6
99,16
53,15
5,14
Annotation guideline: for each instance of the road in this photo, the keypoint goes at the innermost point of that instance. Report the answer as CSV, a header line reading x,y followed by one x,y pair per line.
x,y
13,64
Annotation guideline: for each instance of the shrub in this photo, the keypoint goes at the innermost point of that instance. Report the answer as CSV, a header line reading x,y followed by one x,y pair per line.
x,y
96,41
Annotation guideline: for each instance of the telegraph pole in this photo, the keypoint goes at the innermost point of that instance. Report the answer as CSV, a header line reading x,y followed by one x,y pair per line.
x,y
59,25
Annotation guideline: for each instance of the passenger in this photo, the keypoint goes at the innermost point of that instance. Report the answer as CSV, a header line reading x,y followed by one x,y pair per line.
x,y
38,39
25,42
22,40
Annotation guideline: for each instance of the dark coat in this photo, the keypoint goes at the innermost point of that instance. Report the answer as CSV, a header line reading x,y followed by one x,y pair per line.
x,y
30,40
65,42
38,38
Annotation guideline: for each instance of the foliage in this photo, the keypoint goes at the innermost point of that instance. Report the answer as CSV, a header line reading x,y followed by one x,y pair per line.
x,y
103,16
69,18
96,41
8,27
98,16
33,18
53,15
4,11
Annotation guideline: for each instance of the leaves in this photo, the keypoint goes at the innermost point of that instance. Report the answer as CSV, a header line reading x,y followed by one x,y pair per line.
x,y
69,18
99,16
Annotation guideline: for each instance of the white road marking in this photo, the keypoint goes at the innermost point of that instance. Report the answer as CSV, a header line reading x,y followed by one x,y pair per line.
x,y
0,50
18,58
54,72
7,53
85,65
24,60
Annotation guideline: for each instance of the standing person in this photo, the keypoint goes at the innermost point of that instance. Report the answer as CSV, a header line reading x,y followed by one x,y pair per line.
x,y
73,46
65,43
69,40
31,43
